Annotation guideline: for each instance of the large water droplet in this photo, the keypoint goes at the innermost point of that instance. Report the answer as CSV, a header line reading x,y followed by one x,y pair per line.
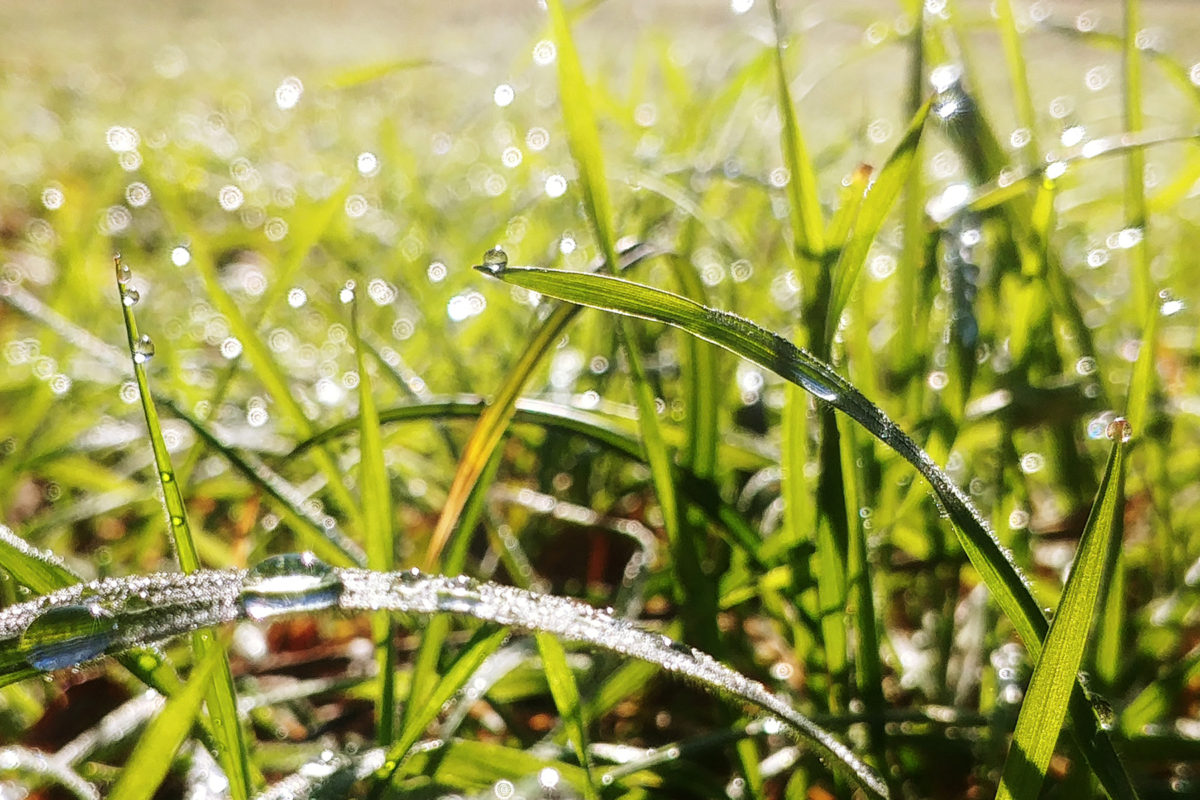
x,y
66,635
287,583
495,260
143,349
130,295
1119,430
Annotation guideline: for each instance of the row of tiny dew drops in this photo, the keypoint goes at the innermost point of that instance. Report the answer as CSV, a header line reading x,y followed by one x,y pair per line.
x,y
63,636
66,635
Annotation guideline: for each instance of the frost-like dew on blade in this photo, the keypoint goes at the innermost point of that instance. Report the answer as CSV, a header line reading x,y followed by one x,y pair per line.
x,y
67,635
146,609
288,583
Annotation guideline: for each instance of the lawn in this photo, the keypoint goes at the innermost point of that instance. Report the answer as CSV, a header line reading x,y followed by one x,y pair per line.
x,y
598,400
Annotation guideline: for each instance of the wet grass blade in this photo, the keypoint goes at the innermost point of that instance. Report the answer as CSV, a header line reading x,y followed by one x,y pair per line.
x,y
376,494
222,699
1049,691
152,758
742,337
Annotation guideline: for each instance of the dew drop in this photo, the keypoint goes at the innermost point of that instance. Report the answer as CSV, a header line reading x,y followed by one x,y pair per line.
x,y
1119,430
287,583
124,273
177,521
66,635
143,349
130,295
495,260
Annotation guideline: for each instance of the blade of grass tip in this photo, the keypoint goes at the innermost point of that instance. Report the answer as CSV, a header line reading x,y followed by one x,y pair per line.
x,y
742,337
222,700
879,199
376,501
566,698
1046,698
155,751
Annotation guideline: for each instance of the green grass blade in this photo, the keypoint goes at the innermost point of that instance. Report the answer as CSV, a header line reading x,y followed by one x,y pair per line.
x,y
41,571
880,197
330,545
1049,691
222,699
428,705
771,351
489,431
584,142
1007,23
566,698
257,353
151,759
377,515
804,204
582,136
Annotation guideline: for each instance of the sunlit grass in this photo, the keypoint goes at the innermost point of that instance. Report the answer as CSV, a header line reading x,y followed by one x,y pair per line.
x,y
978,226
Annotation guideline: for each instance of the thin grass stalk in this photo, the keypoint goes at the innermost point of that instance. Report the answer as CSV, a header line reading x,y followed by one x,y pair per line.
x,y
221,697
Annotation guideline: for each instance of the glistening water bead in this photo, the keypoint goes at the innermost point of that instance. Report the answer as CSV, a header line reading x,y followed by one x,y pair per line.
x,y
288,583
495,259
130,295
1119,430
143,349
66,635
124,273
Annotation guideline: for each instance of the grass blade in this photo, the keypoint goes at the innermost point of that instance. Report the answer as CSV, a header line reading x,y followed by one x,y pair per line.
x,y
582,136
565,692
377,516
427,706
804,204
880,197
151,759
222,699
775,353
1046,699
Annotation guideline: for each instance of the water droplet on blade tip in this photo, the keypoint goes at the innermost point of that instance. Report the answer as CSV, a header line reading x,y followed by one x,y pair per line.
x,y
495,260
1119,430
